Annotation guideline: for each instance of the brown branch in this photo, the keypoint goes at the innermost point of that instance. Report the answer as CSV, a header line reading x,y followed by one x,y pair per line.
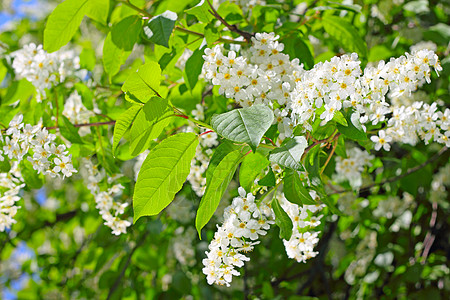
x,y
247,36
317,142
329,158
429,238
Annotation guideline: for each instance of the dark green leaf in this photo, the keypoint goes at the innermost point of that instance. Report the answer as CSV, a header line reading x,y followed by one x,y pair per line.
x,y
294,191
194,66
160,28
268,180
69,131
125,33
251,167
282,220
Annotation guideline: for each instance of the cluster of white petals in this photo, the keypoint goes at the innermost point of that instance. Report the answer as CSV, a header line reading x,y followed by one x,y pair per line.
x,y
44,69
10,185
244,221
76,112
350,168
104,194
304,238
182,245
37,145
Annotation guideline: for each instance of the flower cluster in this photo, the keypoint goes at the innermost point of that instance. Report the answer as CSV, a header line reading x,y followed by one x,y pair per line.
x,y
303,240
182,247
44,69
244,221
350,169
109,209
10,185
76,112
47,157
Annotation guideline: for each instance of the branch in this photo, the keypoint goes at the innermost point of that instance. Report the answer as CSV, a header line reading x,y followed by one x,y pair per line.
x,y
122,272
247,36
395,178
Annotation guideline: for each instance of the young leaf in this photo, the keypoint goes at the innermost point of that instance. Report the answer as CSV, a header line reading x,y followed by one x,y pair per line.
x,y
215,188
346,34
123,123
290,154
194,66
163,173
294,191
160,28
63,22
125,33
340,119
144,83
69,131
251,166
113,57
201,12
244,125
282,220
144,131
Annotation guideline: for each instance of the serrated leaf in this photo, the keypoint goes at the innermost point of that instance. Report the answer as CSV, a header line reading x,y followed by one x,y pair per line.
x,y
282,220
294,191
201,12
346,34
163,173
244,125
353,130
160,28
194,66
155,108
69,131
113,57
290,154
123,123
125,33
144,83
215,188
251,167
144,131
98,10
63,22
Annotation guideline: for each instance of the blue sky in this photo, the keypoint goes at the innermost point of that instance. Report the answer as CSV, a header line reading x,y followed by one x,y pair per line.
x,y
17,4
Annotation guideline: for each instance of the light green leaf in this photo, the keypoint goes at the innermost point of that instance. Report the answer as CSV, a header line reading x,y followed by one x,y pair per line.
x,y
251,166
163,173
346,34
282,220
144,131
63,22
98,10
201,12
353,130
220,152
113,57
215,188
194,66
123,123
87,59
339,118
155,108
294,191
160,28
290,154
21,90
30,176
125,33
244,125
144,83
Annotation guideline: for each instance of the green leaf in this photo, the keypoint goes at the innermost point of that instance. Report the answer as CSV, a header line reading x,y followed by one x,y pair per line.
x,y
296,47
113,57
215,188
5,166
163,173
21,90
219,153
98,11
155,108
87,59
201,12
63,22
160,28
69,131
353,130
339,118
251,167
282,220
30,176
144,131
194,66
346,34
125,33
290,154
268,180
294,191
244,125
144,83
123,123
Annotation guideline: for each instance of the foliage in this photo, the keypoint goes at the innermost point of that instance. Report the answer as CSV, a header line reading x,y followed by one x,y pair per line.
x,y
297,139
